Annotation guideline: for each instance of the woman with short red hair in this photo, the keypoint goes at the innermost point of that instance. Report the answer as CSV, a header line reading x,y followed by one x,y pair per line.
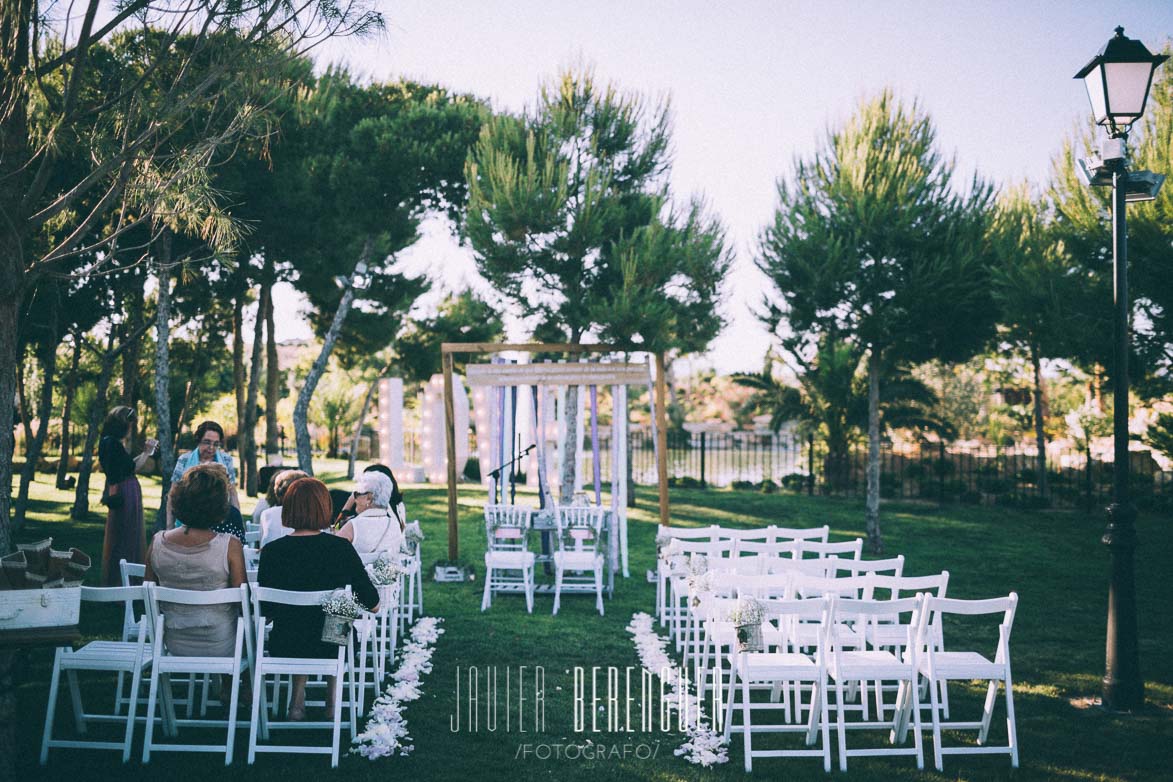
x,y
305,560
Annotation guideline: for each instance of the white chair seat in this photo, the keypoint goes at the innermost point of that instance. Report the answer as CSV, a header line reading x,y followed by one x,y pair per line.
x,y
870,664
962,665
105,656
776,665
509,560
577,560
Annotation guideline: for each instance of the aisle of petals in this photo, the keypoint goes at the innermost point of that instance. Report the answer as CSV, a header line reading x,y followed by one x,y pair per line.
x,y
386,729
704,746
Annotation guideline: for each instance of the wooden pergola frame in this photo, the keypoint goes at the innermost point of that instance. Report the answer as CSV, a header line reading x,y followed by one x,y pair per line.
x,y
449,349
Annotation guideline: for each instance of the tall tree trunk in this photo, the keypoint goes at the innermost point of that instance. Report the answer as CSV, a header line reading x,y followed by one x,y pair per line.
x,y
163,375
254,381
26,415
48,359
131,359
67,413
301,410
872,513
362,419
14,176
1040,435
81,494
9,335
272,383
238,377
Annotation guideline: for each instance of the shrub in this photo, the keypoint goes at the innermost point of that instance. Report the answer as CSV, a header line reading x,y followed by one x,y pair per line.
x,y
890,485
990,485
795,481
769,487
689,482
744,485
970,497
915,470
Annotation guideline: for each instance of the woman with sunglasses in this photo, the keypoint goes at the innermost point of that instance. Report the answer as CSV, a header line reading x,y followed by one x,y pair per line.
x,y
121,494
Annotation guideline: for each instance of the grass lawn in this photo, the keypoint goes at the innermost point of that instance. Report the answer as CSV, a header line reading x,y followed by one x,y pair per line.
x,y
1053,560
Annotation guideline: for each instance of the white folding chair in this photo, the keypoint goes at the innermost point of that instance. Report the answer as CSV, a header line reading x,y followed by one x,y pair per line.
x,y
847,549
850,568
165,663
378,631
338,666
252,537
580,551
890,636
851,664
809,534
509,564
129,657
670,534
783,669
940,667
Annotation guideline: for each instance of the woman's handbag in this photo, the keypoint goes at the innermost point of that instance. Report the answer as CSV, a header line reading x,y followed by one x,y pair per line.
x,y
111,498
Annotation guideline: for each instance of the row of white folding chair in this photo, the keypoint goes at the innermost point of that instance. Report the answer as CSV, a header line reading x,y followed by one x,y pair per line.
x,y
721,556
919,656
146,650
793,583
831,663
741,537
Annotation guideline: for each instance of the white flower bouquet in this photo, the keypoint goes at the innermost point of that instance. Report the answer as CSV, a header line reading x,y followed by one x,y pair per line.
x,y
747,617
340,609
385,570
412,537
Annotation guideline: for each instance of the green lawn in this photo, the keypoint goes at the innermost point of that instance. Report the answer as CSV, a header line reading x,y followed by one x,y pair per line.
x,y
1053,560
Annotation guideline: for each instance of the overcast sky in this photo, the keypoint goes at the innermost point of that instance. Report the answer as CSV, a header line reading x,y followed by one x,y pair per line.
x,y
753,84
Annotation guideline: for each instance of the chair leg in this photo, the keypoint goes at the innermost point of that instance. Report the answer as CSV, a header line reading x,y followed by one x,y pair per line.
x,y
50,712
233,703
557,589
529,589
826,727
917,738
987,712
337,727
258,705
732,696
486,598
746,726
119,698
599,589
1011,723
131,711
79,712
841,724
935,710
152,704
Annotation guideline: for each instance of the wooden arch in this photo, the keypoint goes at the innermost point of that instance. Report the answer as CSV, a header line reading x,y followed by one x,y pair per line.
x,y
449,349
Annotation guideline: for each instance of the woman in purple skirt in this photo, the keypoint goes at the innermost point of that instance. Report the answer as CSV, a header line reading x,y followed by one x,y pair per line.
x,y
121,495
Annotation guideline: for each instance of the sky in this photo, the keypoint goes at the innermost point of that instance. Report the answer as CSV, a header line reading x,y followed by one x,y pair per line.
x,y
753,85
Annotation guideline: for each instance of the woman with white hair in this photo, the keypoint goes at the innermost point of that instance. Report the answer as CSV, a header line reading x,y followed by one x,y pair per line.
x,y
376,527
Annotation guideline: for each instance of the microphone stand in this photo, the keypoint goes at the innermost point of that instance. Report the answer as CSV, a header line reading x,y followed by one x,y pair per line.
x,y
496,474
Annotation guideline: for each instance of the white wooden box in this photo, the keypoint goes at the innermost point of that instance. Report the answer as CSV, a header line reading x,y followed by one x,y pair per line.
x,y
22,609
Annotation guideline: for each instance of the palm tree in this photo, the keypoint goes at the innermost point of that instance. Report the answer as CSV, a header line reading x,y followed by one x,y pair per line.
x,y
830,400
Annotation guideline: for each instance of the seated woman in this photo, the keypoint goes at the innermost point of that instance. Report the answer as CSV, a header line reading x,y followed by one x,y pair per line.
x,y
307,561
376,527
270,520
232,523
197,557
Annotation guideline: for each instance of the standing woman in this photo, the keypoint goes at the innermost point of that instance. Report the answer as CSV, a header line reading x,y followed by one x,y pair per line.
x,y
209,449
121,494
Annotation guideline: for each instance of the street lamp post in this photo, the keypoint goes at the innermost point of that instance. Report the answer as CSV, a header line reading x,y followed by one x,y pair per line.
x,y
1118,81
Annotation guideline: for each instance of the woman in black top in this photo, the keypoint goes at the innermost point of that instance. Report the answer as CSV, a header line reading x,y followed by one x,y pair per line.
x,y
121,494
306,560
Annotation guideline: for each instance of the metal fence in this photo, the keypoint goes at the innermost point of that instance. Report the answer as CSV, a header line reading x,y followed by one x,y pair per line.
x,y
930,471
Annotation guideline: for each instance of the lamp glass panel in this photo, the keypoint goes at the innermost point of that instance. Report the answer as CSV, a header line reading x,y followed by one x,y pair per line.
x,y
1094,81
1128,82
